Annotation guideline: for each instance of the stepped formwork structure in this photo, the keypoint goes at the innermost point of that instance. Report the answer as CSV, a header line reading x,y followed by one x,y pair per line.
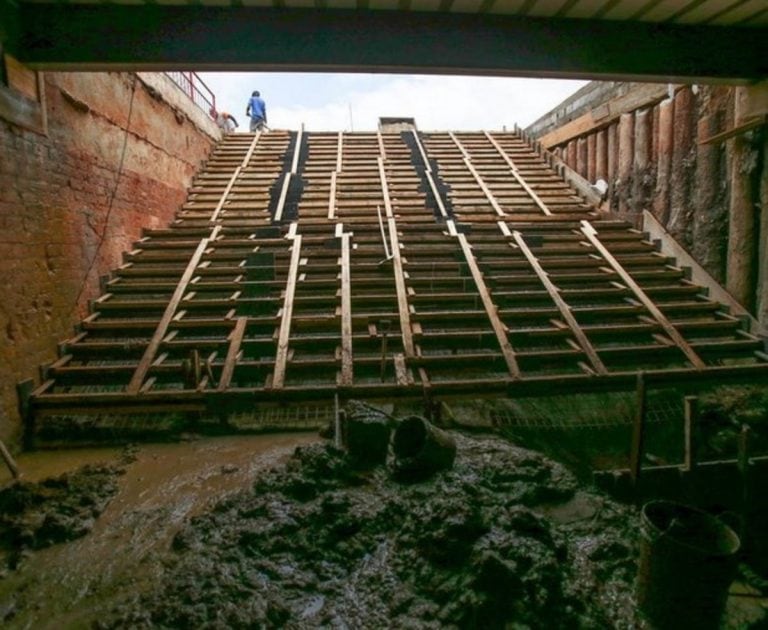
x,y
307,268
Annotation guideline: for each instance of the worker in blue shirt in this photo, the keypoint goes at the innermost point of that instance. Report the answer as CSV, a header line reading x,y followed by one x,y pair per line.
x,y
257,110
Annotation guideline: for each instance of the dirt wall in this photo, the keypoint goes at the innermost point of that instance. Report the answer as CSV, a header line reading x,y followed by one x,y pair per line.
x,y
115,157
652,145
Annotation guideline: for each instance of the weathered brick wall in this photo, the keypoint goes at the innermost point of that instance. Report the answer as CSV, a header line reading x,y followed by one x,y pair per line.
x,y
73,200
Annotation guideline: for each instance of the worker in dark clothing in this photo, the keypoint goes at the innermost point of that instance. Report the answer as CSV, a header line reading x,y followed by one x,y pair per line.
x,y
257,110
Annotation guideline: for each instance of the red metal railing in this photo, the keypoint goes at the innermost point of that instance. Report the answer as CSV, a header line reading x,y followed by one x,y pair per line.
x,y
195,88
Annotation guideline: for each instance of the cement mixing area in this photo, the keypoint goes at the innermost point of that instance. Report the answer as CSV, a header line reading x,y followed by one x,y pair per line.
x,y
384,377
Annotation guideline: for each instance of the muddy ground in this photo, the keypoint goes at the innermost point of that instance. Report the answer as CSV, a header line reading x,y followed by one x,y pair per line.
x,y
282,531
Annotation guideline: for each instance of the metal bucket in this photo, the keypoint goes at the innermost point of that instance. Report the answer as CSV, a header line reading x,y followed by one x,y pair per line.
x,y
687,562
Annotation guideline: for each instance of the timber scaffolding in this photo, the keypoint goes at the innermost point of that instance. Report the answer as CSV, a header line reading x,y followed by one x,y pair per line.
x,y
311,267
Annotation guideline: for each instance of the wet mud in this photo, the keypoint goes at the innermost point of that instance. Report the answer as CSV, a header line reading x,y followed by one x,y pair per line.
x,y
504,539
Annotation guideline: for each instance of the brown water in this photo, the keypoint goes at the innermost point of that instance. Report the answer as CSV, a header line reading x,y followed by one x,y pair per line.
x,y
74,584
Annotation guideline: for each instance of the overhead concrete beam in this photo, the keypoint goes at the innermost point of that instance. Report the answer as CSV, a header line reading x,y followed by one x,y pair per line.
x,y
108,36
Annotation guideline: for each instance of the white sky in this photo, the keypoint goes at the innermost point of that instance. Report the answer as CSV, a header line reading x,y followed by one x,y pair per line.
x,y
344,102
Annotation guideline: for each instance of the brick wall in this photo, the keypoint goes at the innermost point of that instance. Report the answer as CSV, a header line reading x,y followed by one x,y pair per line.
x,y
116,158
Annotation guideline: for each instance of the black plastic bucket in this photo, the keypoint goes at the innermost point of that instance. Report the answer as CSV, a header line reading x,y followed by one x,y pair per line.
x,y
687,562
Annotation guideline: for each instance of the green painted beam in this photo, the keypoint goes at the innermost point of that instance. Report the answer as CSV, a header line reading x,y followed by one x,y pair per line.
x,y
69,36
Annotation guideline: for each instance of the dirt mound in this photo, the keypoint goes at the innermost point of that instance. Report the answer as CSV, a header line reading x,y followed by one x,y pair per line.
x,y
37,515
504,539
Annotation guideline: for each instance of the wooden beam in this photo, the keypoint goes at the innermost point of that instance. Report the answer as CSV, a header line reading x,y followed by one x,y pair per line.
x,y
281,357
224,195
382,150
490,308
281,202
565,311
519,178
332,196
251,149
486,191
385,189
402,293
339,152
630,283
235,341
637,446
170,311
297,150
346,312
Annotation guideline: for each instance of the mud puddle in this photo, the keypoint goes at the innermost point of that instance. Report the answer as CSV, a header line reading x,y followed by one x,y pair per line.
x,y
157,487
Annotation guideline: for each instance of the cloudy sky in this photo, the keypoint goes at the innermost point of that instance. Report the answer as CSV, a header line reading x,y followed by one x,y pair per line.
x,y
344,102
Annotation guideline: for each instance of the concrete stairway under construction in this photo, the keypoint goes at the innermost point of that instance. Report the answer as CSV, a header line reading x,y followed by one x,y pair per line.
x,y
312,267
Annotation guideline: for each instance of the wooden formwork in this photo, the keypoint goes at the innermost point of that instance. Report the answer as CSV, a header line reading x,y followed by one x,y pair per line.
x,y
306,266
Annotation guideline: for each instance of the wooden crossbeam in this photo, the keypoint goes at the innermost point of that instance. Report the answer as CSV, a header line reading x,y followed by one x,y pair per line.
x,y
251,149
565,311
134,386
235,341
224,195
591,233
519,178
332,196
281,357
346,312
490,308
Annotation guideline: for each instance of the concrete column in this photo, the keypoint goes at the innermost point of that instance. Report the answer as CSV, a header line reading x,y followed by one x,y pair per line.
x,y
664,137
591,157
581,157
682,173
641,177
762,279
601,155
626,154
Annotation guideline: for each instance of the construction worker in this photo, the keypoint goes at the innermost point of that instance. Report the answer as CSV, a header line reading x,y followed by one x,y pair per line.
x,y
257,110
225,121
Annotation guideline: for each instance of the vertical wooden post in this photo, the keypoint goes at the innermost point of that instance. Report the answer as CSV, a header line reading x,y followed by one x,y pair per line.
x,y
642,146
691,429
762,251
638,431
581,157
591,157
601,155
626,139
682,165
570,154
9,461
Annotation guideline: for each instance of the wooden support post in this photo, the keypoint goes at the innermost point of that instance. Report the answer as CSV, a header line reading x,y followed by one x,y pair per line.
x,y
281,357
490,308
601,155
681,171
565,311
591,157
691,430
626,138
346,312
9,461
235,341
630,283
570,154
642,147
638,431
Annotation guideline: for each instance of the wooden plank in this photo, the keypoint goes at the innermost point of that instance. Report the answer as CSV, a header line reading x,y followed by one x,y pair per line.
x,y
297,151
486,191
332,196
339,152
224,196
170,311
402,293
422,152
565,311
281,357
385,189
436,193
382,150
251,149
519,178
235,341
630,283
283,195
346,313
490,308
637,446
